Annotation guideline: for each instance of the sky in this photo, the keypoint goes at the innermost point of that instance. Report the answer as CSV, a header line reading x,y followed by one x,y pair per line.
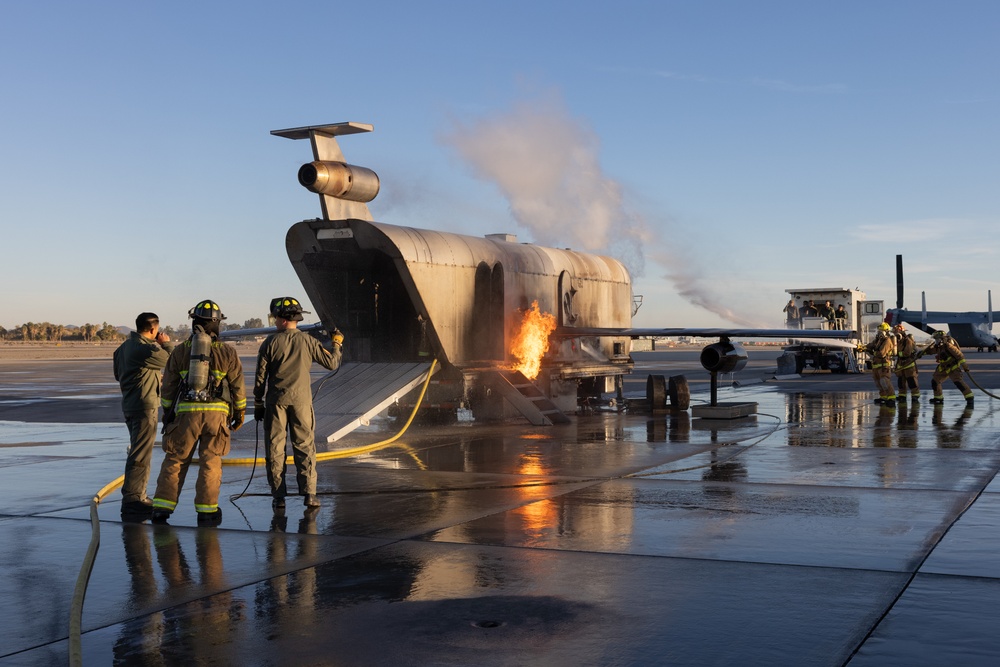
x,y
724,150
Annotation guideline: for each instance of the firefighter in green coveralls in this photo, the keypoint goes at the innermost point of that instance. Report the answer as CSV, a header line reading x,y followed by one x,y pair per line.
x,y
283,398
203,400
138,363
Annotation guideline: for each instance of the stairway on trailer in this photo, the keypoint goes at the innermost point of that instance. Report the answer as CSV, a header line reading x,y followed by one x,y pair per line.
x,y
527,398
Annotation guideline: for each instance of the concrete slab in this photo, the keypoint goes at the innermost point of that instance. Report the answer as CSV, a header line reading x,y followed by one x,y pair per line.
x,y
938,620
825,530
972,546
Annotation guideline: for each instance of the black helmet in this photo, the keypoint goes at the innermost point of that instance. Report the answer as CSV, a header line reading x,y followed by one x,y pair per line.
x,y
287,308
207,310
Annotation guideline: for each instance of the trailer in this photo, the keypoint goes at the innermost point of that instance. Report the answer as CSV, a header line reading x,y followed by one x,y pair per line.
x,y
805,354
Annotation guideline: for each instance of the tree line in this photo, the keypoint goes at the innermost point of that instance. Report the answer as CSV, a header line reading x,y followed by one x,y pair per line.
x,y
104,332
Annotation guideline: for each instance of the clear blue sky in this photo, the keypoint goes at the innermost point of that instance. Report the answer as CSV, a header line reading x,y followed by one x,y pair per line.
x,y
728,149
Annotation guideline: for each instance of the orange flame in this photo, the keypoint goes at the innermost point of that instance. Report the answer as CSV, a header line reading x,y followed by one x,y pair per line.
x,y
532,340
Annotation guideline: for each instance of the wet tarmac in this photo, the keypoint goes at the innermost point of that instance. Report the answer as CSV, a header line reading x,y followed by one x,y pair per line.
x,y
825,530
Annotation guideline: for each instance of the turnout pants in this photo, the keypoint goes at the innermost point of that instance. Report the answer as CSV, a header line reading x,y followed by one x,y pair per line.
x,y
883,380
208,430
141,438
955,375
299,422
907,378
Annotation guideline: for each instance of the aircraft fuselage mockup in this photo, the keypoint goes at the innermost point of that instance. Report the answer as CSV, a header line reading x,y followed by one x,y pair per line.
x,y
403,295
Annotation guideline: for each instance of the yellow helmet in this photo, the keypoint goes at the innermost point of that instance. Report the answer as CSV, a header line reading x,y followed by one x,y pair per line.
x,y
884,326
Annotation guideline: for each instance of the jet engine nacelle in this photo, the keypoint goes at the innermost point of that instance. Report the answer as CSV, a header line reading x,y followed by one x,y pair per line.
x,y
340,180
724,358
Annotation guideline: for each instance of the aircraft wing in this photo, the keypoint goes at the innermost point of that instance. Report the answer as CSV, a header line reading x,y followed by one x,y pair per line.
x,y
574,332
825,342
941,316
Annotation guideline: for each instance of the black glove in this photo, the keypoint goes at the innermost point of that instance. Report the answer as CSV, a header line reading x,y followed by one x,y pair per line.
x,y
258,411
237,419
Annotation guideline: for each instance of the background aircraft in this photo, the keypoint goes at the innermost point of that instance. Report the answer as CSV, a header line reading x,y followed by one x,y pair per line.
x,y
969,329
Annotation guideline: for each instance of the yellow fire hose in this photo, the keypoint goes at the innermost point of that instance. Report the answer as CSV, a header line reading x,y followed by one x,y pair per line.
x,y
80,591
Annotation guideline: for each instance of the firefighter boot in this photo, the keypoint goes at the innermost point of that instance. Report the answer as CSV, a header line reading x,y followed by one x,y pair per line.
x,y
137,510
210,518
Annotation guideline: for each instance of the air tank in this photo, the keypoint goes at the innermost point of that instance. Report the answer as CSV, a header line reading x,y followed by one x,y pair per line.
x,y
201,355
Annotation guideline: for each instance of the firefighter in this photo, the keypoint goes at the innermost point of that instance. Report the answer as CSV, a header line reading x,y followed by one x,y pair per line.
x,y
951,363
906,364
203,400
882,350
283,398
138,363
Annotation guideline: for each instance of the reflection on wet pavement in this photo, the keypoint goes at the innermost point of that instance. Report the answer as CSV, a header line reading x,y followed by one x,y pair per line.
x,y
616,539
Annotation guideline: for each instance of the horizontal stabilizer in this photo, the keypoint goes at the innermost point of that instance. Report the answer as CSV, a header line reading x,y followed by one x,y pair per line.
x,y
942,317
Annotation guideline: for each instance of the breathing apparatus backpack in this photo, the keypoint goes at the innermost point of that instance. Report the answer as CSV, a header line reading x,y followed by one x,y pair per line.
x,y
199,367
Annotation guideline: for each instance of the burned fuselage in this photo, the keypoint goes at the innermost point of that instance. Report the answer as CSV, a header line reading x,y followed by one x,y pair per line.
x,y
402,294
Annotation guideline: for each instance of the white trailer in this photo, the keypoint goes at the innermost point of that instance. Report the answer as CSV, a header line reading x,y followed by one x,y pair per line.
x,y
862,317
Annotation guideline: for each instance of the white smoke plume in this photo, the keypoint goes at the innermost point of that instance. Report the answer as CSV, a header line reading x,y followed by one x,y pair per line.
x,y
688,282
546,164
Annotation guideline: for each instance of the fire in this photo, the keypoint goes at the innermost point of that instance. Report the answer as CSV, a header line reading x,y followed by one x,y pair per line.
x,y
532,340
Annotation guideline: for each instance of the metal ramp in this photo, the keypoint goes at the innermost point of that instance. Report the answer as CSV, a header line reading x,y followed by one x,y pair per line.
x,y
527,398
358,392
852,362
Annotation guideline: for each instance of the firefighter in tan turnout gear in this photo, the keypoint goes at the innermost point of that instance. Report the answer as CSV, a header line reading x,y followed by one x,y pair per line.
x,y
950,364
283,398
203,400
906,364
882,350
